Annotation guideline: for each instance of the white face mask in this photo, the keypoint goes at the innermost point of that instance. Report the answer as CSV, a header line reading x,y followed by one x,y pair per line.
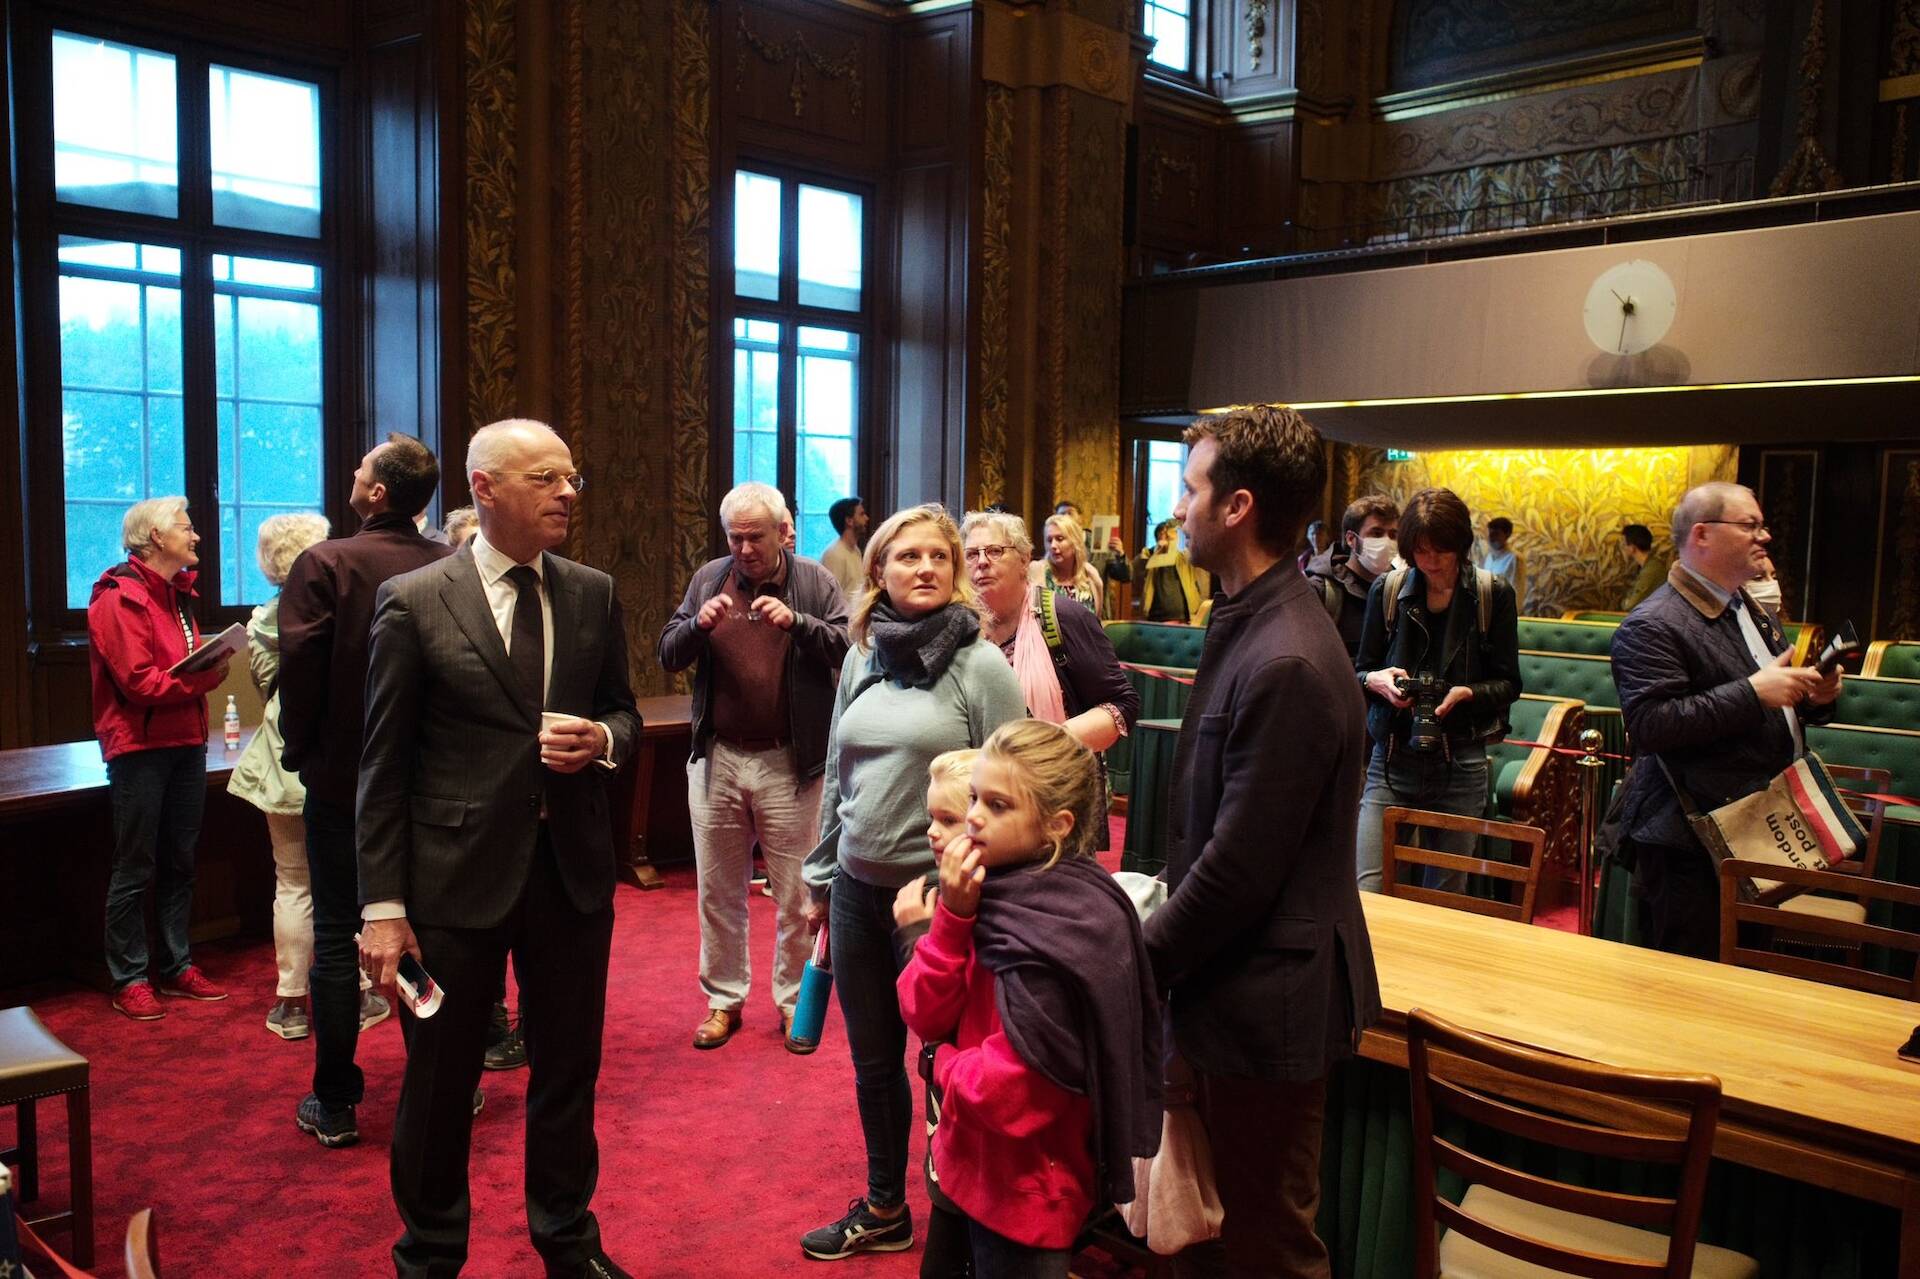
x,y
1375,555
1765,591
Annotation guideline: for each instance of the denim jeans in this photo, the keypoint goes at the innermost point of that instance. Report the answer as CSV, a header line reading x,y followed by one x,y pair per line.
x,y
158,797
865,968
333,1000
1457,786
997,1257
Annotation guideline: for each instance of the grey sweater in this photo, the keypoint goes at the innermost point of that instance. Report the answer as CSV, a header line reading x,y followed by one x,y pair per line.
x,y
873,805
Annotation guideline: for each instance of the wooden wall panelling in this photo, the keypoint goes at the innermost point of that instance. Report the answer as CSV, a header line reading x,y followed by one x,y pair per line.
x,y
15,685
1262,188
927,407
1156,359
264,24
1255,46
803,80
1176,180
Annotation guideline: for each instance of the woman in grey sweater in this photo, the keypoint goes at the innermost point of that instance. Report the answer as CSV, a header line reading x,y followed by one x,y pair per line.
x,y
918,681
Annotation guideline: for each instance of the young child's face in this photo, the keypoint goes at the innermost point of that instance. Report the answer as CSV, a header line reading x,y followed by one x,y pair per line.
x,y
1003,822
946,815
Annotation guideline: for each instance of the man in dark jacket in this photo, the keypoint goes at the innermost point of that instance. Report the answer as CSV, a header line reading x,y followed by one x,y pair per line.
x,y
1262,945
1705,687
326,611
768,630
1344,573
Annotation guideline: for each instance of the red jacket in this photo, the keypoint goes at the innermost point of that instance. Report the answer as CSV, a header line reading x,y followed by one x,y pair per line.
x,y
134,622
1013,1150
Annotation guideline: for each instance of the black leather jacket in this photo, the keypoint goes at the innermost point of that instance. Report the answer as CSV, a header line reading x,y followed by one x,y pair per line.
x,y
1488,664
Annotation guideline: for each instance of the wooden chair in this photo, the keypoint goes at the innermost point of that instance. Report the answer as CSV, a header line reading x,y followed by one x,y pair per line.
x,y
143,1246
1510,1220
1394,852
1842,934
1873,815
35,1066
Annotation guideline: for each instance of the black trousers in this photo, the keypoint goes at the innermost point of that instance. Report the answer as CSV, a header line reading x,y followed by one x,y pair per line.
x,y
560,957
333,987
1679,893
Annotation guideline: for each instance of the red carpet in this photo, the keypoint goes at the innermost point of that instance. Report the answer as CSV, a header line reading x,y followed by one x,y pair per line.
x,y
712,1163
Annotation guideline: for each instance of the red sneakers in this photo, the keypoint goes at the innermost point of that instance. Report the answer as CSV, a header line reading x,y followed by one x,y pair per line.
x,y
136,1000
192,984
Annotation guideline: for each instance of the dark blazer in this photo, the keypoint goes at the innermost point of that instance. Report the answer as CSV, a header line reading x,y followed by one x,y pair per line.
x,y
819,645
1261,943
1682,668
451,783
1489,664
326,614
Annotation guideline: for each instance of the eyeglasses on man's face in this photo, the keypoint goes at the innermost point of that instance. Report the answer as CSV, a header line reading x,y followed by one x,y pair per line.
x,y
1752,528
987,554
548,478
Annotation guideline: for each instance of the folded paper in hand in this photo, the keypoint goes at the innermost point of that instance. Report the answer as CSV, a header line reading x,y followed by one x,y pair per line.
x,y
212,652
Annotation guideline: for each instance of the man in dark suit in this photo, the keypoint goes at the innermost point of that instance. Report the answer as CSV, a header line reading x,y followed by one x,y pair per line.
x,y
481,831
1261,945
1705,686
326,611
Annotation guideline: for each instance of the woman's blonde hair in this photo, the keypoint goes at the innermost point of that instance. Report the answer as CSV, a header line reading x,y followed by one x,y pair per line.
x,y
876,557
1076,538
952,769
283,537
1057,774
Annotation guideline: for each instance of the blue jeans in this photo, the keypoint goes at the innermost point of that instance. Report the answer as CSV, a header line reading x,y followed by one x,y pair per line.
x,y
334,986
865,969
158,797
1432,782
997,1257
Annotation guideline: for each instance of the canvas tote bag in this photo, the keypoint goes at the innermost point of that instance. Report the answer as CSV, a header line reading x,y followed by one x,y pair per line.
x,y
1797,819
1175,1202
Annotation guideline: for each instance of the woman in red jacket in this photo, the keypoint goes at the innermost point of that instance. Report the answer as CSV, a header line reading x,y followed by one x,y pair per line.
x,y
1035,976
152,728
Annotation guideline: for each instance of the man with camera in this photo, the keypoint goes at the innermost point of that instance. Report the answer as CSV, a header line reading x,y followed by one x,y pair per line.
x,y
1440,662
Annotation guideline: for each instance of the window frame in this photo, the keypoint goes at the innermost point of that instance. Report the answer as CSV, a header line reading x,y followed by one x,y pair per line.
x,y
1199,43
792,315
43,220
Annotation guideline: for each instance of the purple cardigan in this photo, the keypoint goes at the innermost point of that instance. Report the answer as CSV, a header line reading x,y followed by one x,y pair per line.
x,y
1091,674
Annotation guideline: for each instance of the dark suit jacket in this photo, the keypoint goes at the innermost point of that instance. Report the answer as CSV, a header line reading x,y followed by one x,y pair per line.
x,y
1682,667
1261,943
451,783
326,613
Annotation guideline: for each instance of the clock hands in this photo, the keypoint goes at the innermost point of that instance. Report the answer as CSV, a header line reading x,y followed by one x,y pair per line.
x,y
1626,313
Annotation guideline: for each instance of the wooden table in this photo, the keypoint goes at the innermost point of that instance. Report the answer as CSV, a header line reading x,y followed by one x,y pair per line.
x,y
660,821
1812,1087
39,779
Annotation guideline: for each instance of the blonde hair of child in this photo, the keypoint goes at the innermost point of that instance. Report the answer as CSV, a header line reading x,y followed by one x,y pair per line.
x,y
1055,773
953,770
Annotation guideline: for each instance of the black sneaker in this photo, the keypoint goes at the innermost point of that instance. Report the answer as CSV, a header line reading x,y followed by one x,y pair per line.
x,y
332,1128
859,1231
509,1053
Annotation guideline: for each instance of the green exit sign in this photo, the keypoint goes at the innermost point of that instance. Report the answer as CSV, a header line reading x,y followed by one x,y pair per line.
x,y
1399,455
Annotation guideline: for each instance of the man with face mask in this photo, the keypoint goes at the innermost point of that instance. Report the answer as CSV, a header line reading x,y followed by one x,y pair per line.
x,y
1765,589
1369,533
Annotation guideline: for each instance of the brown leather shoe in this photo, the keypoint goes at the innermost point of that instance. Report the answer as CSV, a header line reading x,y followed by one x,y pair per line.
x,y
717,1029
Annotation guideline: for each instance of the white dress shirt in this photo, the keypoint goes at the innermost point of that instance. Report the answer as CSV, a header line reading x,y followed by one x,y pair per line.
x,y
502,595
1756,645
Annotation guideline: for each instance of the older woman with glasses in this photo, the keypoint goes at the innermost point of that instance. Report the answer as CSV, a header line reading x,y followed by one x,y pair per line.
x,y
1068,672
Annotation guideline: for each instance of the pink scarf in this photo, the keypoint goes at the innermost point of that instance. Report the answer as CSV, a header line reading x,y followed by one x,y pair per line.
x,y
1033,665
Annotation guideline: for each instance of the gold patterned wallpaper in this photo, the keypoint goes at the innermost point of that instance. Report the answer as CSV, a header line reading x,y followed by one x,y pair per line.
x,y
996,271
1567,505
492,111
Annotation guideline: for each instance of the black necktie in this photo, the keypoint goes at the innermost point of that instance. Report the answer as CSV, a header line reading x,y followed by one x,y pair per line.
x,y
529,649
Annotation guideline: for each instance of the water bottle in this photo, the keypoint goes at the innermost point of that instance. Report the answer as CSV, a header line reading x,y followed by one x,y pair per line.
x,y
232,723
810,1010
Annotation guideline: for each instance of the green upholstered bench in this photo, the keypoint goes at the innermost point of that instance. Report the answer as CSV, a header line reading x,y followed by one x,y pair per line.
x,y
1879,703
1170,651
1893,659
1802,635
1531,784
1593,615
1587,679
1157,643
1557,635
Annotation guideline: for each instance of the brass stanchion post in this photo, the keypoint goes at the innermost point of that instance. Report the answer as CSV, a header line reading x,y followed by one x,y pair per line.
x,y
1591,768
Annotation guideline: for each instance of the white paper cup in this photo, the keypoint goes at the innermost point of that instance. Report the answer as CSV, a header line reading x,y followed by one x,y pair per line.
x,y
551,719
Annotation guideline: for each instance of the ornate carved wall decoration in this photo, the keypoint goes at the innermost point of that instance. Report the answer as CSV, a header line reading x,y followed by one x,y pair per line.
x,y
1896,592
691,193
1903,48
1567,506
491,189
1789,494
1808,170
1435,41
1092,196
799,51
1256,32
1593,183
1739,91
1310,29
1641,107
1160,164
996,270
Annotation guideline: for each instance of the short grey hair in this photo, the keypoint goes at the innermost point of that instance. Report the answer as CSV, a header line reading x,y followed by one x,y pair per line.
x,y
459,520
1701,503
487,450
1005,525
744,499
142,518
283,537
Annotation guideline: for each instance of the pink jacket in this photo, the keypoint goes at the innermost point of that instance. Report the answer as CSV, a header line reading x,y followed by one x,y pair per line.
x,y
1014,1150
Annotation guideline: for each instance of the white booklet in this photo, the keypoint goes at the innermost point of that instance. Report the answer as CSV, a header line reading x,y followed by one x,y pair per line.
x,y
212,652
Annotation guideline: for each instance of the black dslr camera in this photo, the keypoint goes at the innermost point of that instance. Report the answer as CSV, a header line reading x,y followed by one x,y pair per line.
x,y
1426,692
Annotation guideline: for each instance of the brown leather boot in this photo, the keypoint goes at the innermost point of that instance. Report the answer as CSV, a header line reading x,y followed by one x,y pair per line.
x,y
717,1029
